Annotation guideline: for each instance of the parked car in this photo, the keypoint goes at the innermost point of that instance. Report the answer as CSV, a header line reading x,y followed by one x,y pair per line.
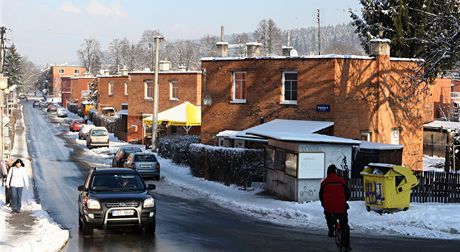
x,y
51,108
145,163
62,112
119,158
22,96
43,104
97,137
36,104
76,125
115,198
83,133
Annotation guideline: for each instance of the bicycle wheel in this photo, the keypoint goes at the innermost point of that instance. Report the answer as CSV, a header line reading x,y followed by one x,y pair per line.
x,y
338,238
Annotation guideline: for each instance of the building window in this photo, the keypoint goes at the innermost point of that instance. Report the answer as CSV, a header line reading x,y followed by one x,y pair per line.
x,y
280,158
395,136
126,88
173,90
61,71
148,89
76,71
291,164
110,87
289,89
366,135
239,87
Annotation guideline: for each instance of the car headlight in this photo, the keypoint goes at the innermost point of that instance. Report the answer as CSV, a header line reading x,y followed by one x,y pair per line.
x,y
149,202
93,204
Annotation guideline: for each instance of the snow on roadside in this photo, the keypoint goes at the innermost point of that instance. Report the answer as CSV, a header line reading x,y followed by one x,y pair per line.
x,y
427,220
42,234
433,163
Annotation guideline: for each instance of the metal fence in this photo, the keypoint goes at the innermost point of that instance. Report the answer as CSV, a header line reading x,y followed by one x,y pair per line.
x,y
442,187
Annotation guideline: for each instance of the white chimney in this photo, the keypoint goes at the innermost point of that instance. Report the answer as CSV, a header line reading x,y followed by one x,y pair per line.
x,y
165,65
182,68
379,47
253,49
222,49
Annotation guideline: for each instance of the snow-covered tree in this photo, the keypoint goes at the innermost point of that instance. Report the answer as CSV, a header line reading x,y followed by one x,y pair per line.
x,y
269,35
13,66
428,29
91,55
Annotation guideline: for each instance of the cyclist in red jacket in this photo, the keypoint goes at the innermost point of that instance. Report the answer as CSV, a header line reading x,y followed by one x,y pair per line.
x,y
333,195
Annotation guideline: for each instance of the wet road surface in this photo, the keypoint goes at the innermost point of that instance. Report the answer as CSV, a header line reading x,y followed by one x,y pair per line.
x,y
182,224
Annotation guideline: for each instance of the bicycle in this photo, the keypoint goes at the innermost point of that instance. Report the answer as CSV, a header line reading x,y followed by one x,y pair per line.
x,y
338,235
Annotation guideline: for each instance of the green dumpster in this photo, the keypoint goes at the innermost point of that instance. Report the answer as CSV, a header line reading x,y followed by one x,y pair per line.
x,y
387,187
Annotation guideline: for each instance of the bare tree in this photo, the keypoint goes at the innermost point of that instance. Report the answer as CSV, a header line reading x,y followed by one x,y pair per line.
x,y
183,53
90,55
145,49
30,75
270,36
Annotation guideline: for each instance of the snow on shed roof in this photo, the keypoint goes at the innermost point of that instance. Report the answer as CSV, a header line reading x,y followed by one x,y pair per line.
x,y
282,125
227,133
302,137
442,124
379,146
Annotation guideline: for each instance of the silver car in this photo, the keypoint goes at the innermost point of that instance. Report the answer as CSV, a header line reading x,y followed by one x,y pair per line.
x,y
83,133
145,163
97,137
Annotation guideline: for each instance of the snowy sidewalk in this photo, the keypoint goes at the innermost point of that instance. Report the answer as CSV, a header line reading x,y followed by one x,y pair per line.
x,y
425,220
32,229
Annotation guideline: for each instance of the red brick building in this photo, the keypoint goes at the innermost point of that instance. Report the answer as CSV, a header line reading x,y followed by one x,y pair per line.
x,y
439,103
66,90
79,88
175,87
112,91
369,98
57,72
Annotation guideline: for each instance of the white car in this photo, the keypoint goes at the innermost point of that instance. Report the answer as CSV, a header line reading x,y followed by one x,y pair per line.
x,y
62,112
97,137
83,133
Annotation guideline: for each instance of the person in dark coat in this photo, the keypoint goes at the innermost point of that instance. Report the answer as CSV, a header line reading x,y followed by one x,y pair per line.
x,y
5,166
333,195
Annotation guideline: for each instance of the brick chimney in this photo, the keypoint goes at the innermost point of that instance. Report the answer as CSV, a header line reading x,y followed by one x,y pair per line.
x,y
253,49
379,47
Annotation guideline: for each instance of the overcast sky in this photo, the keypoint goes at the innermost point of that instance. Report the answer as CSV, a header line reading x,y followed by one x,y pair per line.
x,y
51,31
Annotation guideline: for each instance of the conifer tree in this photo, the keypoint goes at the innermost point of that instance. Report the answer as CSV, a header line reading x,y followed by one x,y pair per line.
x,y
12,66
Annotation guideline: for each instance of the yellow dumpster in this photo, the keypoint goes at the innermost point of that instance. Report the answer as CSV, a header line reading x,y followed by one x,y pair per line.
x,y
387,186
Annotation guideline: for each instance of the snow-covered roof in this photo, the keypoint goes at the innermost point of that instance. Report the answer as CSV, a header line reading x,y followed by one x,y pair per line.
x,y
227,133
325,56
165,72
282,125
311,138
384,40
442,124
406,59
379,146
123,112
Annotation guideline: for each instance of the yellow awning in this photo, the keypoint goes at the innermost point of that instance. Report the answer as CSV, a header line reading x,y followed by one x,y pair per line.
x,y
185,114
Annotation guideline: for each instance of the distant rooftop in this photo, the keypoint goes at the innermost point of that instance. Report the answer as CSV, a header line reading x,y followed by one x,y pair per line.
x,y
325,56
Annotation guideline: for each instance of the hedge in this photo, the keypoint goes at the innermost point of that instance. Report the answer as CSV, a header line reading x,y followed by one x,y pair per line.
x,y
228,165
175,147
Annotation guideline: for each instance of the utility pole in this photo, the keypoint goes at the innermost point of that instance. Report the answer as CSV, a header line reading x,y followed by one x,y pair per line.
x,y
2,46
155,93
319,31
3,86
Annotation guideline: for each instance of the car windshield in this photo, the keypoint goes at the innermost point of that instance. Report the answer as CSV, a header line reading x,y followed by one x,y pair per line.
x,y
117,182
145,158
99,133
78,122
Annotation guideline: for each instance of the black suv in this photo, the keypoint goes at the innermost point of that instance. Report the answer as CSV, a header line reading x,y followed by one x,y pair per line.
x,y
122,154
114,198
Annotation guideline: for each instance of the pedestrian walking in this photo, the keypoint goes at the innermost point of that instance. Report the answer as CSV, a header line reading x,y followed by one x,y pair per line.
x,y
5,167
16,180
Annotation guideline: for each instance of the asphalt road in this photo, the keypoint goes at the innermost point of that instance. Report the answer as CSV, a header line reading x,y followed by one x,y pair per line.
x,y
183,224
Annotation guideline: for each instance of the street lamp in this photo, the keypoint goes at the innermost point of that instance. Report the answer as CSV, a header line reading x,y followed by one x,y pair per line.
x,y
4,89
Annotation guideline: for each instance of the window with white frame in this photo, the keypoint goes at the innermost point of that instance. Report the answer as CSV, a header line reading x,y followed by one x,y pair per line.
x,y
76,71
110,87
126,88
61,71
148,89
365,135
395,136
289,89
173,90
239,87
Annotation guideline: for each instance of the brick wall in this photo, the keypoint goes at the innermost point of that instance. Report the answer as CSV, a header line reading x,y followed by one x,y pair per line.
x,y
117,98
188,89
63,71
78,85
362,95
